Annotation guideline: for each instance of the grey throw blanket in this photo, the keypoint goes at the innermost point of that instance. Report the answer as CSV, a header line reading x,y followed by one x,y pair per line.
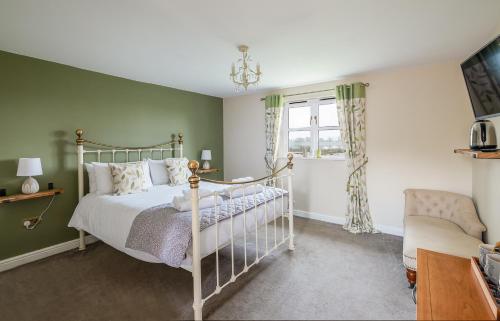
x,y
165,233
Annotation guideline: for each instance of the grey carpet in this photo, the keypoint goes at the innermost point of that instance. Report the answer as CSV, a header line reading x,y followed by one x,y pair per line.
x,y
331,275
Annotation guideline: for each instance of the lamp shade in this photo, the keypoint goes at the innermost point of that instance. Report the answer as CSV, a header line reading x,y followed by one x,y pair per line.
x,y
29,167
206,154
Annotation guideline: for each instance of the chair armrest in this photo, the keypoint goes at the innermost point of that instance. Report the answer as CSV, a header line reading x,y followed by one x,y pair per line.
x,y
466,217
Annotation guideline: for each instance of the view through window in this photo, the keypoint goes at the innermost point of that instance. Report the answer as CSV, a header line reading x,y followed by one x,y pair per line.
x,y
311,125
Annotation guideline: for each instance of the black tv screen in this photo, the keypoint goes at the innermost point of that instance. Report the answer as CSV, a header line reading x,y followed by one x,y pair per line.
x,y
482,76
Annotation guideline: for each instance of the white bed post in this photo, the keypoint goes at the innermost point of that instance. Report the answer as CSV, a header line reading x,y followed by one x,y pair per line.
x,y
79,146
194,181
181,144
291,246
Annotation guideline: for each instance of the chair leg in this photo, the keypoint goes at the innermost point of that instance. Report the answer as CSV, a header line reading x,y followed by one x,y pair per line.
x,y
411,275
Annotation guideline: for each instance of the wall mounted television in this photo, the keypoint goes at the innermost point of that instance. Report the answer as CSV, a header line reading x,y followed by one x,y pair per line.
x,y
482,77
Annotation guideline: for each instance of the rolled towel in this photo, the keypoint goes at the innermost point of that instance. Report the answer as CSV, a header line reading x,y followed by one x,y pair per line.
x,y
239,190
243,179
201,193
183,204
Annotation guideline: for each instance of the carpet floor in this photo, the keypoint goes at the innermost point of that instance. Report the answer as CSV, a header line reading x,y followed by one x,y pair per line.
x,y
332,274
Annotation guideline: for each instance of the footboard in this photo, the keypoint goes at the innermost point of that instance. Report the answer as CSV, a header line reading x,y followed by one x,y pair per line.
x,y
274,183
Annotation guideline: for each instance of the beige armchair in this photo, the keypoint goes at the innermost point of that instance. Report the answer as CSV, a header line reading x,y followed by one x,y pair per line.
x,y
439,221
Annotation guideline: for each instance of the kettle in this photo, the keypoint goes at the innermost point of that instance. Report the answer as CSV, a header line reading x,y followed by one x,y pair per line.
x,y
483,136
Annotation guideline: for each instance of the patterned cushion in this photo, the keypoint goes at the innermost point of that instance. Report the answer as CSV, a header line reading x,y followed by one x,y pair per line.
x,y
178,171
128,178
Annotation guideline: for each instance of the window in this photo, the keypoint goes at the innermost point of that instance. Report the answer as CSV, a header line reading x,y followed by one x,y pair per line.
x,y
311,125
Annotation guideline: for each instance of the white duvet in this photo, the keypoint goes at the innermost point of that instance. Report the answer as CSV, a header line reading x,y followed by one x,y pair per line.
x,y
109,218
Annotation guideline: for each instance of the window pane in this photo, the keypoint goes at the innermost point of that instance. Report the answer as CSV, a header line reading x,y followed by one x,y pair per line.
x,y
328,115
299,141
299,117
330,142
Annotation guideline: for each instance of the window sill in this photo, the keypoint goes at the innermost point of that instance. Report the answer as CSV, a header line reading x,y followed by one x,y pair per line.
x,y
324,158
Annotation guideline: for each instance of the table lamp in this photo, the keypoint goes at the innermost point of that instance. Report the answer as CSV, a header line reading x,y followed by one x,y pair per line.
x,y
29,167
206,155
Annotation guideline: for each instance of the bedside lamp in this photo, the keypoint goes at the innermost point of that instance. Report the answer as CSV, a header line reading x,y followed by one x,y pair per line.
x,y
29,167
206,155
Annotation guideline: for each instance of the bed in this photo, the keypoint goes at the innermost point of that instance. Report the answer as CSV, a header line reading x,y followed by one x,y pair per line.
x,y
113,227
194,234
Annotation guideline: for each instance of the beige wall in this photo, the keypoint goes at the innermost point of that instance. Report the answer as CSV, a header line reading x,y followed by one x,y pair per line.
x,y
416,116
486,193
486,189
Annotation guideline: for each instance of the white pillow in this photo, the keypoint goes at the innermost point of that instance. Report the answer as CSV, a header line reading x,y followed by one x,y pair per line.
x,y
104,179
158,170
147,176
91,175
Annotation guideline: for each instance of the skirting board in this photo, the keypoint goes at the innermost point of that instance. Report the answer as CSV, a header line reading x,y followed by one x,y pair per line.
x,y
16,261
398,231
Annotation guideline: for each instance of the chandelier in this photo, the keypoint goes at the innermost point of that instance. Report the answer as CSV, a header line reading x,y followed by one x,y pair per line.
x,y
242,73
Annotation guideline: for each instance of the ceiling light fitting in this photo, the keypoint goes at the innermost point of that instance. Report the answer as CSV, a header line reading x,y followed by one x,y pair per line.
x,y
242,73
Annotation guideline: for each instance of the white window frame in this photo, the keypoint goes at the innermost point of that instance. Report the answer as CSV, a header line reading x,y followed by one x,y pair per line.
x,y
314,103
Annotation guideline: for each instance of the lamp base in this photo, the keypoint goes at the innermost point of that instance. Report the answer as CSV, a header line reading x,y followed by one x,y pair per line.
x,y
206,165
30,186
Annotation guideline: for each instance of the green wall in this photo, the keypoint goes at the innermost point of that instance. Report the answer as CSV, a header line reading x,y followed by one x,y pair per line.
x,y
41,105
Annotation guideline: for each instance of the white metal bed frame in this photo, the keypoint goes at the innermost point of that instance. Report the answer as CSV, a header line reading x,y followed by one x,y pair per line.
x,y
273,180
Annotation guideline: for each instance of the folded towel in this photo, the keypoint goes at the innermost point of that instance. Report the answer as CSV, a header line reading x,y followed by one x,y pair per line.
x,y
492,268
237,190
201,193
243,179
183,204
485,249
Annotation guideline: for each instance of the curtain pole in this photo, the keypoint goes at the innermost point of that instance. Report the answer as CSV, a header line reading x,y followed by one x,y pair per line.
x,y
314,92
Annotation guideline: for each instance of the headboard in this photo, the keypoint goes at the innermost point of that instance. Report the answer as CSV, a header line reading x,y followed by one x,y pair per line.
x,y
99,149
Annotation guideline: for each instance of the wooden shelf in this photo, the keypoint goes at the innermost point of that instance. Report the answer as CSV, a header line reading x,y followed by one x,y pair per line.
x,y
208,171
479,154
23,197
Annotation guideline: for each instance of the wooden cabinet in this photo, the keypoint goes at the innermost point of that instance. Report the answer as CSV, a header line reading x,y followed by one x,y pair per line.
x,y
447,289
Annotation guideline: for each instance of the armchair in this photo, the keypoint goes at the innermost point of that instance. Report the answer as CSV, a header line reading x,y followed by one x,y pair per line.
x,y
439,221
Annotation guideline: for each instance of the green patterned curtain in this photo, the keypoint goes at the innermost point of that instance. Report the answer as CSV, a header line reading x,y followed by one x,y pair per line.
x,y
351,107
274,114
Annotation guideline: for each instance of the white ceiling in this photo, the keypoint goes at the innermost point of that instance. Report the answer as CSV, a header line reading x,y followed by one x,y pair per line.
x,y
190,44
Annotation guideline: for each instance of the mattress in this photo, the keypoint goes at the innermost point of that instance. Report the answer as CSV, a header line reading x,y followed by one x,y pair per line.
x,y
109,218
